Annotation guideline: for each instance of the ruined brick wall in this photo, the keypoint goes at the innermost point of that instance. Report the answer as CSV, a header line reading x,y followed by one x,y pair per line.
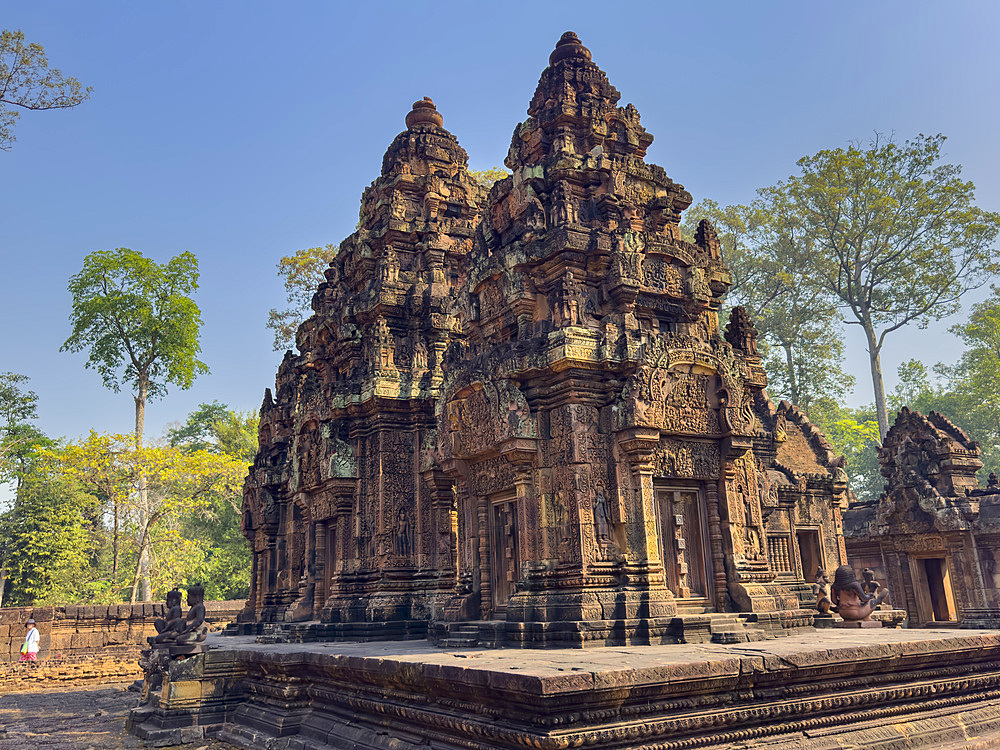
x,y
86,643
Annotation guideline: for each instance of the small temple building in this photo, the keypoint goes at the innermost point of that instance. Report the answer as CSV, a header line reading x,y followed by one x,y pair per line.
x,y
933,535
516,407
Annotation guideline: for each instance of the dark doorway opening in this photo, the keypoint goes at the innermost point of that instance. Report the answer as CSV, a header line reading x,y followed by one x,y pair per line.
x,y
936,573
810,553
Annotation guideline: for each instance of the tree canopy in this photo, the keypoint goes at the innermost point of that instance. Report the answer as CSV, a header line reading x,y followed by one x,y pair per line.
x,y
27,82
141,327
18,437
301,273
893,235
137,320
801,340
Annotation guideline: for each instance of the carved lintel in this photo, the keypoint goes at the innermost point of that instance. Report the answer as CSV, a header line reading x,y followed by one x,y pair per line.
x,y
520,450
639,443
442,488
734,446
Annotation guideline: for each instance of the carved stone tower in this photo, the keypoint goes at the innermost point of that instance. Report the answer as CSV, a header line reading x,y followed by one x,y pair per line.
x,y
342,526
520,408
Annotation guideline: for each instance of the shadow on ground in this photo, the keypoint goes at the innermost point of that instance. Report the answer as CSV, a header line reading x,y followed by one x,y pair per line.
x,y
83,718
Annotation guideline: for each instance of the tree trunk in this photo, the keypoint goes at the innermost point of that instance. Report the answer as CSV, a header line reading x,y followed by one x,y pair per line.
x,y
142,570
3,583
793,385
115,546
876,363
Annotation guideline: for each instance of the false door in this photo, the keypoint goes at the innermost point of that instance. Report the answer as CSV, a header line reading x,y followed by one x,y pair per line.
x,y
505,566
684,542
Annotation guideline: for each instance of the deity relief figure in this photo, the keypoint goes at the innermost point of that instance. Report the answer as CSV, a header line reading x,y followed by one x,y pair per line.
x,y
389,266
602,519
420,355
402,541
562,529
568,308
750,534
386,343
603,528
563,211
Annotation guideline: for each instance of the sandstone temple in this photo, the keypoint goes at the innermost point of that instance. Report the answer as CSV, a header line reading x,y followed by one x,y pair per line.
x,y
515,415
934,534
515,419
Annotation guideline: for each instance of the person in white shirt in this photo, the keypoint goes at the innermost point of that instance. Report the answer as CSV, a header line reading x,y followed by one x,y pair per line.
x,y
29,651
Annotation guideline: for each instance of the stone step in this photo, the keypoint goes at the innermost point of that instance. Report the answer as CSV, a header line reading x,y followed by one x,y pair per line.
x,y
737,635
458,643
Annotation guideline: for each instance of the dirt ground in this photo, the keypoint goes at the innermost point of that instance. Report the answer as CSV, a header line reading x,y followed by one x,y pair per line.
x,y
82,718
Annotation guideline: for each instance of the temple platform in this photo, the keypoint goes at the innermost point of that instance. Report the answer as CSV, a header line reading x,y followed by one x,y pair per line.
x,y
831,688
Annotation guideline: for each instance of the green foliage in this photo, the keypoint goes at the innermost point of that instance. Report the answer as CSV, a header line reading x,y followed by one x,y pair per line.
x,y
891,234
978,372
224,569
45,541
854,434
216,428
967,393
19,439
302,273
78,524
137,319
487,177
186,488
800,336
27,82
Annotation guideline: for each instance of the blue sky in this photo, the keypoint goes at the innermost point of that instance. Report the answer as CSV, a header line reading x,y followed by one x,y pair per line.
x,y
243,131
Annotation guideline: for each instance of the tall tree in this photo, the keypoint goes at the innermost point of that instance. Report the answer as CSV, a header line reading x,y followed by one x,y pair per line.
x,y
893,235
27,82
181,485
141,327
301,272
225,568
44,540
18,437
978,372
800,332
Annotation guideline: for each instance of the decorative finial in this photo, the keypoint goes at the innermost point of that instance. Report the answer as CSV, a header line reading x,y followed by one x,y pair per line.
x,y
424,113
568,46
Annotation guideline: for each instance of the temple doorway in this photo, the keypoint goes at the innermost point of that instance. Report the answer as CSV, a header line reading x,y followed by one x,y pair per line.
x,y
810,553
505,567
684,543
932,589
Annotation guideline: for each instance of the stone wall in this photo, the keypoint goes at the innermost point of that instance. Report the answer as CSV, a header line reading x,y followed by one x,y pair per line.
x,y
86,643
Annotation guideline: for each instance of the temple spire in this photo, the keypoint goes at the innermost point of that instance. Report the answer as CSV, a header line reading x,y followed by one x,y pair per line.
x,y
569,45
424,112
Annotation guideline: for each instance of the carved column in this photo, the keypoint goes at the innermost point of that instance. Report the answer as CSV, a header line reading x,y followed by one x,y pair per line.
x,y
638,445
484,563
443,512
719,583
321,576
253,600
522,454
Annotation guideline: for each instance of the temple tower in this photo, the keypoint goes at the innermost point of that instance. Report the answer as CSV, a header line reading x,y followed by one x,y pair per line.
x,y
519,409
345,529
